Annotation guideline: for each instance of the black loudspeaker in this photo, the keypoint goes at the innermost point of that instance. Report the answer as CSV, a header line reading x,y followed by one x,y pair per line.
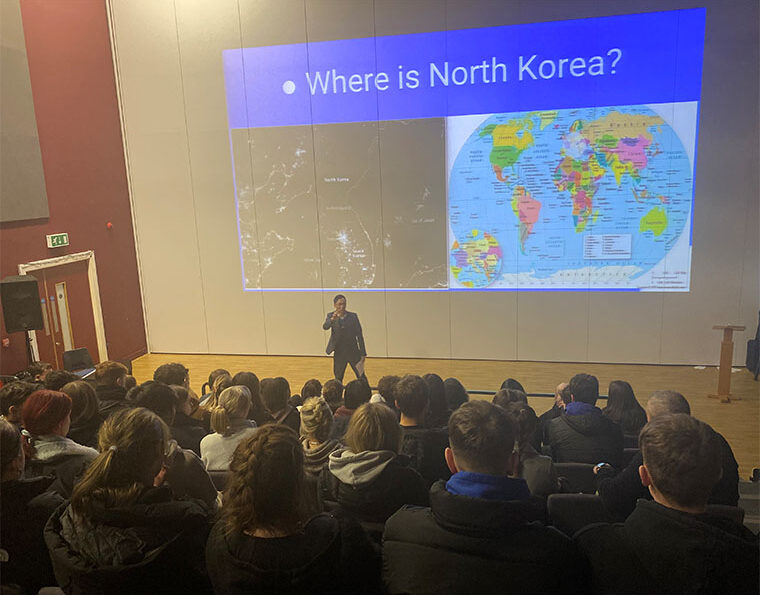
x,y
22,310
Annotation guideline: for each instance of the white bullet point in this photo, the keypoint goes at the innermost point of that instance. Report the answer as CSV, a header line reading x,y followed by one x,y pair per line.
x,y
289,87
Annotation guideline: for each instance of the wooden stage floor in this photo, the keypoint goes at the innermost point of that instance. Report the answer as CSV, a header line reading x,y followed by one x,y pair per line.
x,y
738,421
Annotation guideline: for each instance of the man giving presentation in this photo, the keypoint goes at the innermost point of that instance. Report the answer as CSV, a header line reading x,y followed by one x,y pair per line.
x,y
346,339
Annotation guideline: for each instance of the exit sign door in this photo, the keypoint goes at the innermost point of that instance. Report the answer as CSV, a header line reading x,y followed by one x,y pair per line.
x,y
56,240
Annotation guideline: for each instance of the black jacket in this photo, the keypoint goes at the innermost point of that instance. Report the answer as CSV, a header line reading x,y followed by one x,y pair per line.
x,y
472,545
619,493
425,449
111,399
153,546
330,555
188,432
589,438
85,431
661,550
346,337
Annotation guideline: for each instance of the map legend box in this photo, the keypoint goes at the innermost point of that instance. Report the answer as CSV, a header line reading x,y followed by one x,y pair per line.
x,y
608,246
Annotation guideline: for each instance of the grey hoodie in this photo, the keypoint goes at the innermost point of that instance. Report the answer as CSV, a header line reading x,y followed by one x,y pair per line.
x,y
359,468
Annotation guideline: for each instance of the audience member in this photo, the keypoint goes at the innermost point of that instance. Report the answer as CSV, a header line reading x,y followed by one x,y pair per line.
x,y
332,391
623,408
537,470
357,393
561,399
186,430
385,387
258,412
478,535
437,415
173,373
316,424
85,413
311,388
455,394
47,417
505,396
208,386
38,371
229,420
424,446
129,382
55,379
12,398
583,434
511,383
368,478
275,393
120,534
265,541
203,413
26,507
672,544
620,492
110,387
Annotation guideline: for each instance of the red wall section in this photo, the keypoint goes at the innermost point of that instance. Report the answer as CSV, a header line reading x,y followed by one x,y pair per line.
x,y
74,91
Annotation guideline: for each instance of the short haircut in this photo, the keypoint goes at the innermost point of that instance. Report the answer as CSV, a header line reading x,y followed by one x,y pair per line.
x,y
311,388
109,373
357,393
412,395
512,383
57,378
275,393
386,386
524,419
584,388
373,427
683,458
482,437
509,395
173,373
663,402
316,419
158,398
14,394
44,410
332,391
564,394
214,374
340,296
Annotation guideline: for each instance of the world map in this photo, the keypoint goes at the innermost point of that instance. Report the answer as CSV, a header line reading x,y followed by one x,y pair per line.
x,y
574,198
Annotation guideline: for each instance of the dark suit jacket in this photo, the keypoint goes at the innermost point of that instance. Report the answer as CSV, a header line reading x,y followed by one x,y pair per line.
x,y
349,329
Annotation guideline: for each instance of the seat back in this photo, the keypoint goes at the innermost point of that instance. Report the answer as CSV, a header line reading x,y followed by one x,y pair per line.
x,y
219,479
580,477
571,512
77,359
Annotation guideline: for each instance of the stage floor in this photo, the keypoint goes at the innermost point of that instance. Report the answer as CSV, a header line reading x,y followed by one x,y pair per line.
x,y
738,421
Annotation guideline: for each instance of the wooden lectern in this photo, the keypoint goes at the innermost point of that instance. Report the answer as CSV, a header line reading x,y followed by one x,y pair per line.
x,y
726,362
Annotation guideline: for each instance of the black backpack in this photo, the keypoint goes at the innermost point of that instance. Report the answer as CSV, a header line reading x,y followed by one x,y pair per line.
x,y
753,353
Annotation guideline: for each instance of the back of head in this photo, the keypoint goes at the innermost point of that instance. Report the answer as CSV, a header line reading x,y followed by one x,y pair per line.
x,y
311,388
373,426
265,485
158,398
14,394
84,401
332,391
275,393
683,458
509,395
132,443
232,406
513,384
524,419
38,370
247,379
173,373
620,398
386,386
220,372
455,393
411,394
10,444
664,402
584,388
44,411
438,409
57,378
109,373
482,438
316,419
356,394
221,382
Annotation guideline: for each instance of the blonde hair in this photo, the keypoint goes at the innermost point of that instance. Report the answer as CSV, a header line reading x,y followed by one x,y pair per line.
x,y
316,419
221,382
129,441
373,426
233,404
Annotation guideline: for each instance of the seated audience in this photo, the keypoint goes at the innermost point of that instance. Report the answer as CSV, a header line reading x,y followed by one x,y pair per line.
x,y
185,473
316,423
385,387
505,396
47,417
583,434
620,492
110,389
203,413
368,478
12,398
672,544
357,393
26,507
207,386
186,430
55,379
85,413
511,383
121,533
561,399
332,391
455,394
478,535
265,543
537,470
424,446
275,393
258,412
229,420
38,371
623,408
311,388
437,415
129,382
173,373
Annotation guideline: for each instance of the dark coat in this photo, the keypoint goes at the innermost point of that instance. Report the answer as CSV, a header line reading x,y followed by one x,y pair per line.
x,y
188,432
620,493
346,337
289,417
111,399
589,438
330,555
26,507
661,550
62,458
152,546
472,545
425,449
85,431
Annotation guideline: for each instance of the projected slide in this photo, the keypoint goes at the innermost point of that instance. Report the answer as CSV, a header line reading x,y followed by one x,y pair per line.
x,y
550,156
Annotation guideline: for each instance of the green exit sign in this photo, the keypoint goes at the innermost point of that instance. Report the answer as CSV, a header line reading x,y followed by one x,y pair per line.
x,y
56,240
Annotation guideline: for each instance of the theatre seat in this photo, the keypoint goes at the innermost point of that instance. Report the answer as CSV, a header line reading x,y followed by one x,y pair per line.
x,y
571,512
580,476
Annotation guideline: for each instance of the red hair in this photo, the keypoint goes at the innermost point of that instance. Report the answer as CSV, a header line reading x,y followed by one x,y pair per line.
x,y
44,410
